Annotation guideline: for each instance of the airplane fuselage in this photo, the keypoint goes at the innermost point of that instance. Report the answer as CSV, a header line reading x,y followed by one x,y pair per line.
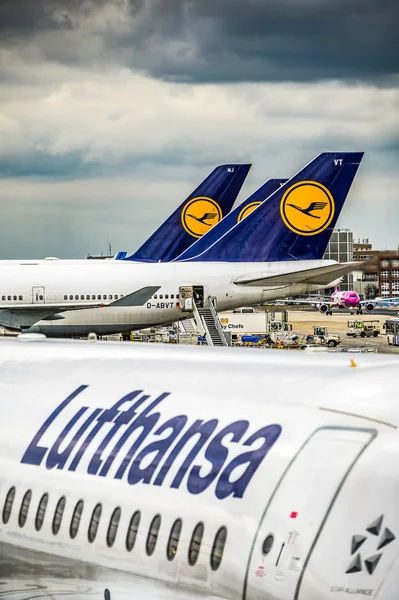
x,y
57,282
197,470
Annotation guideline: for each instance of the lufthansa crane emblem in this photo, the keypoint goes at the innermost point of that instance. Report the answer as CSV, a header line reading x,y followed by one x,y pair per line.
x,y
247,210
307,208
199,215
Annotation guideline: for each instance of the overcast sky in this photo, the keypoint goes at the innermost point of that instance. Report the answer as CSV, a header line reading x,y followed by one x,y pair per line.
x,y
113,111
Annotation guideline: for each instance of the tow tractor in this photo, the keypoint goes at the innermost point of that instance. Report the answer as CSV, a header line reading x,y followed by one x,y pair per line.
x,y
359,328
322,337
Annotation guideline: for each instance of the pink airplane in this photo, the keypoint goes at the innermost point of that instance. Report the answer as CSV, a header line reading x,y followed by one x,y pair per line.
x,y
349,300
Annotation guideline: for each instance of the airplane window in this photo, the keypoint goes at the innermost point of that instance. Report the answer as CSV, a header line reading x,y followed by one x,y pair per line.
x,y
113,527
160,296
116,296
156,296
218,548
93,297
71,297
8,504
3,298
82,297
65,297
41,297
8,297
177,296
172,296
75,522
132,531
166,296
195,544
94,523
87,296
99,297
110,297
59,511
174,539
14,297
267,544
104,296
153,535
41,512
23,512
76,296
20,297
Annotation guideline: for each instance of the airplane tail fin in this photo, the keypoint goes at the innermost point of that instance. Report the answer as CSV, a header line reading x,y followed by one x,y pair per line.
x,y
239,213
205,207
297,220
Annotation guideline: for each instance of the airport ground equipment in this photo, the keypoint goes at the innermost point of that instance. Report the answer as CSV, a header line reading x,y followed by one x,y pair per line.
x,y
360,328
322,337
392,331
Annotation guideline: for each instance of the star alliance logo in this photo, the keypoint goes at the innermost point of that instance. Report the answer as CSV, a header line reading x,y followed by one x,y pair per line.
x,y
371,562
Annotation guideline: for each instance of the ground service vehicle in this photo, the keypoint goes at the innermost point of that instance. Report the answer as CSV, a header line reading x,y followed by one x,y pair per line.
x,y
322,337
359,328
392,331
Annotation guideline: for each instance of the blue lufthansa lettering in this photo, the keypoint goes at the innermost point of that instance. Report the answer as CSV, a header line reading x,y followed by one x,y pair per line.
x,y
160,448
216,454
55,458
122,419
175,444
35,453
224,486
144,421
204,430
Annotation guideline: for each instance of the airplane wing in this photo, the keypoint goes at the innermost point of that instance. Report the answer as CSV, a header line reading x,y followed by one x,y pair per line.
x,y
15,315
316,275
310,302
380,300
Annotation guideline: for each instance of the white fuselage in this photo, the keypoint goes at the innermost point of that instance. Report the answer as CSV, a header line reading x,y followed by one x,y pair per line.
x,y
69,282
128,440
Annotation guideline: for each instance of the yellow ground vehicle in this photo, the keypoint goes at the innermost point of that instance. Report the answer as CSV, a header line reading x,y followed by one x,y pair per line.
x,y
360,328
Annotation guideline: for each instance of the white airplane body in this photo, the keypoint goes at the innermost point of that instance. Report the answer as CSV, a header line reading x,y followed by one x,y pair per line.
x,y
39,290
132,471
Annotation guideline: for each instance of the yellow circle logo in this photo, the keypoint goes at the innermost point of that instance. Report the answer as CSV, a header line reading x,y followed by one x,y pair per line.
x,y
247,210
307,208
199,215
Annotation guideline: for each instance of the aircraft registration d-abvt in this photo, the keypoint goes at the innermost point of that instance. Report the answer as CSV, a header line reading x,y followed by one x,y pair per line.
x,y
132,471
275,251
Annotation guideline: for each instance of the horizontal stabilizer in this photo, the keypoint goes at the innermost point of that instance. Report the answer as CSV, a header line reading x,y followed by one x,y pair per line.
x,y
317,275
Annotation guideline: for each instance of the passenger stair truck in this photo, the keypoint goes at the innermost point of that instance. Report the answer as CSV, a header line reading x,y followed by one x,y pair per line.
x,y
359,328
204,309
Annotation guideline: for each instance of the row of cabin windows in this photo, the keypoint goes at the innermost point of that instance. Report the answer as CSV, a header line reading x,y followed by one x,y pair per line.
x,y
12,298
152,536
93,297
166,296
72,297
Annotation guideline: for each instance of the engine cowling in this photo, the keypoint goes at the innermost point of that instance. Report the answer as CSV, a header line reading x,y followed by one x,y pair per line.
x,y
369,306
323,308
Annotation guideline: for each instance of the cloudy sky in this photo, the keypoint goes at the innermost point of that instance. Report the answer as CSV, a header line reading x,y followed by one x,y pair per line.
x,y
112,111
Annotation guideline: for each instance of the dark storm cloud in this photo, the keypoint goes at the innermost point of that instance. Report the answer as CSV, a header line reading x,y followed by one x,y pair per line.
x,y
221,40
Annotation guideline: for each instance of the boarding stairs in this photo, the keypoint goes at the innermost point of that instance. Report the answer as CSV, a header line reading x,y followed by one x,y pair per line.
x,y
208,324
188,327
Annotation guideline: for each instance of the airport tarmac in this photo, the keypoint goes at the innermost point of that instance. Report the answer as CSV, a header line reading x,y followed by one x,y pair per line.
x,y
303,322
